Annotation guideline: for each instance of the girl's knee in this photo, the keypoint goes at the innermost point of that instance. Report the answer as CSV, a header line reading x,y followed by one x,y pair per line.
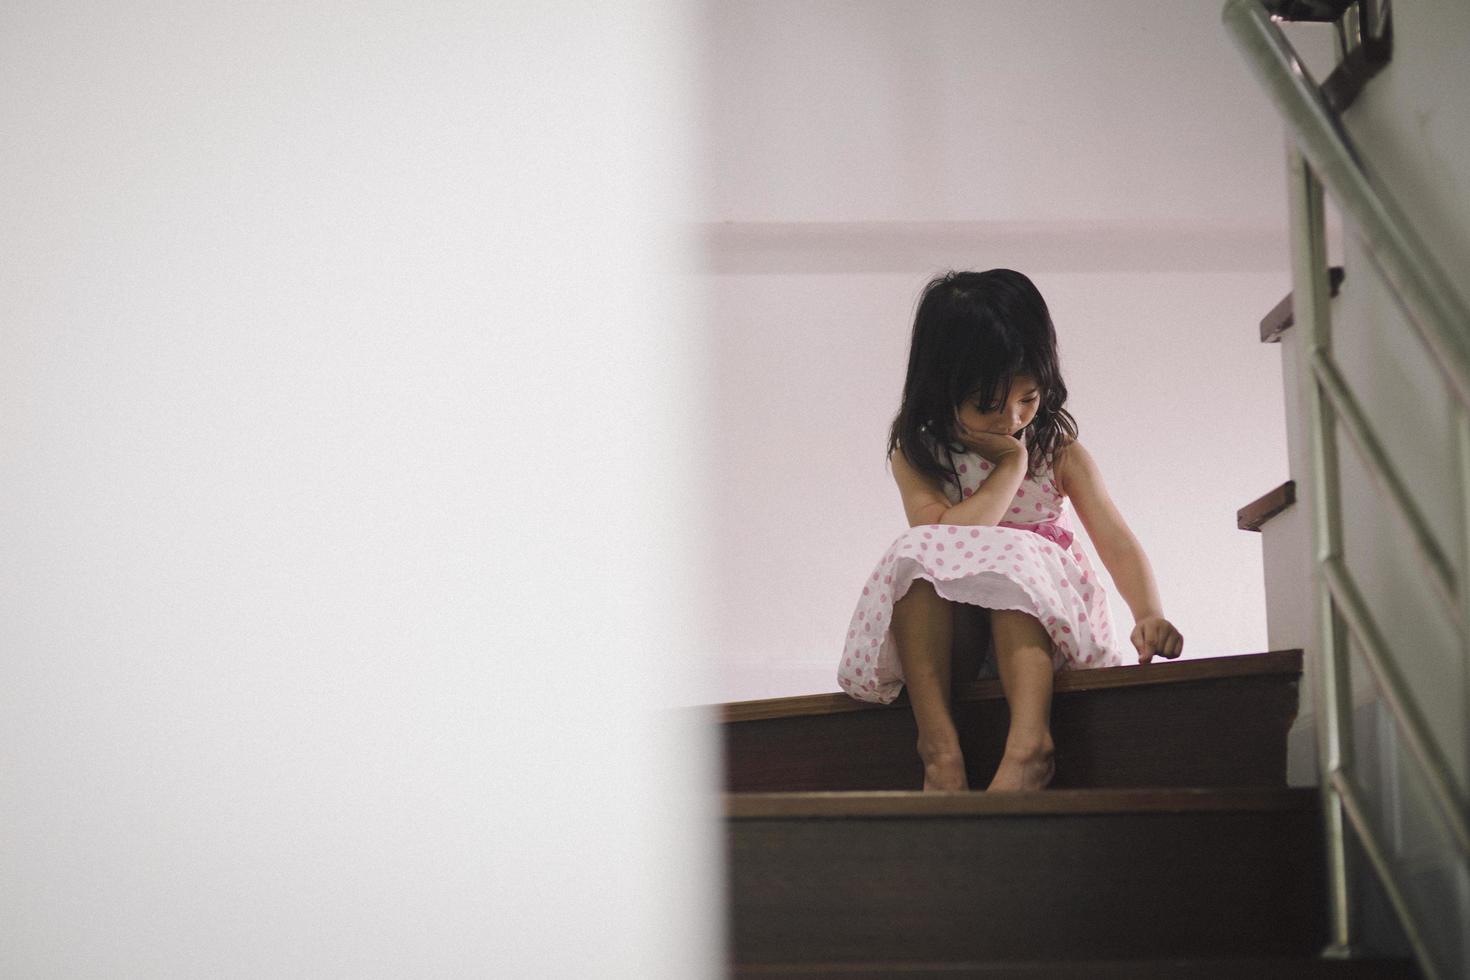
x,y
1016,627
1013,619
922,593
921,600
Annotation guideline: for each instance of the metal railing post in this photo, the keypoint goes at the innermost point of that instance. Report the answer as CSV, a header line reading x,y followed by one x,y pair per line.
x,y
1462,446
1310,298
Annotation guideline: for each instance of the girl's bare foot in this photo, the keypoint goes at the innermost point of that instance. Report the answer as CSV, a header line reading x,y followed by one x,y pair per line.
x,y
1025,766
944,770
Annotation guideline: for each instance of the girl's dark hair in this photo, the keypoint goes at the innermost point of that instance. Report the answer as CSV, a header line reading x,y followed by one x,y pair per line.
x,y
973,333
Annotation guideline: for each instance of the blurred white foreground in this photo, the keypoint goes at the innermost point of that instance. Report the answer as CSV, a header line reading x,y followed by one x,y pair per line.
x,y
347,555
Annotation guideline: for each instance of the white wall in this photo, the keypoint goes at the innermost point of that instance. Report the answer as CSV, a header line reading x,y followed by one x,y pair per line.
x,y
342,377
1127,164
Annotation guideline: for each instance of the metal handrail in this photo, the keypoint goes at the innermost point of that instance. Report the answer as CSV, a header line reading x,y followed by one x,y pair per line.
x,y
1370,448
1352,801
1434,308
1322,154
1313,123
1421,743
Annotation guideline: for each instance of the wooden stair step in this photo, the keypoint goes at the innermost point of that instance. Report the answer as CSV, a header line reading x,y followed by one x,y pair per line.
x,y
1279,968
1283,317
1220,721
1254,515
1047,802
1057,875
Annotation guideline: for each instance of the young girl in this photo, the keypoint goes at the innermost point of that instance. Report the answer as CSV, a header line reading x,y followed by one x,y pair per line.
x,y
984,452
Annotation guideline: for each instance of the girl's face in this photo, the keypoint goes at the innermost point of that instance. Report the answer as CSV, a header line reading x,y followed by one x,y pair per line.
x,y
1017,411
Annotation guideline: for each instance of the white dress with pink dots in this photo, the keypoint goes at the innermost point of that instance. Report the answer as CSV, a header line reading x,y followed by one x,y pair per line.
x,y
1028,562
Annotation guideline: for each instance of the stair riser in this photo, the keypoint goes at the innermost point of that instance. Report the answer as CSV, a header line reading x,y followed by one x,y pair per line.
x,y
1222,733
1079,887
1295,968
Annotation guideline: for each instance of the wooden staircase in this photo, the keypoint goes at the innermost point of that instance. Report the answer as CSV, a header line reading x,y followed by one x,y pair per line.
x,y
1169,844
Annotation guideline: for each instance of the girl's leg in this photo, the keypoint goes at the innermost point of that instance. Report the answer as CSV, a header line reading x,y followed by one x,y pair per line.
x,y
1023,658
923,630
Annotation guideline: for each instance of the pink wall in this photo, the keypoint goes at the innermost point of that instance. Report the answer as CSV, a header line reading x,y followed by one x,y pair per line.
x,y
1174,395
851,150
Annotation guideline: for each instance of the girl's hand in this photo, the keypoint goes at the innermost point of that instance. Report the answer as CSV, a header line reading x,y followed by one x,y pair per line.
x,y
993,446
1155,635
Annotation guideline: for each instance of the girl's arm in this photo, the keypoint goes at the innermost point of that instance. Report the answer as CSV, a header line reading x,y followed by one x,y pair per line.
x,y
924,500
1120,551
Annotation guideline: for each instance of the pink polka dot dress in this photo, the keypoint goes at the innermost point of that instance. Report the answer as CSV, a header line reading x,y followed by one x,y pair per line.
x,y
1028,561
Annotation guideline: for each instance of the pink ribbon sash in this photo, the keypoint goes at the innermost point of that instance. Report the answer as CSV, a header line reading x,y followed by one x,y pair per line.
x,y
1050,530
